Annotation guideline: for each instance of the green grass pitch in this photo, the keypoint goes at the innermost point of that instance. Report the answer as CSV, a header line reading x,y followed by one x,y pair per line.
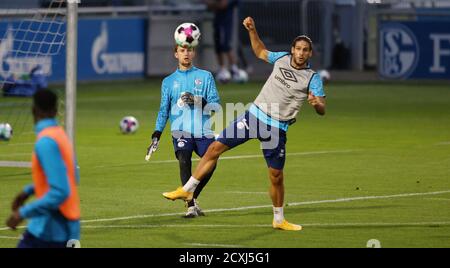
x,y
348,175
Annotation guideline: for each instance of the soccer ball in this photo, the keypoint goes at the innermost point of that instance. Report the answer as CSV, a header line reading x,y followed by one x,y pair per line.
x,y
6,131
324,75
240,77
187,35
128,125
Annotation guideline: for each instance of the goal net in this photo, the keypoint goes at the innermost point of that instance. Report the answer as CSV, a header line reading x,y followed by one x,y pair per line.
x,y
30,38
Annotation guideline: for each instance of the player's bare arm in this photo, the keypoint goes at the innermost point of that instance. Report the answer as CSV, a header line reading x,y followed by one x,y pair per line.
x,y
257,45
318,103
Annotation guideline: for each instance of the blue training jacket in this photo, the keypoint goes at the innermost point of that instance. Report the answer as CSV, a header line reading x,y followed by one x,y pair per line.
x,y
187,118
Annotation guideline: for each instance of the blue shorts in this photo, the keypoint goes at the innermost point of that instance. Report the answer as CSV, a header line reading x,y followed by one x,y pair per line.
x,y
30,241
246,127
185,141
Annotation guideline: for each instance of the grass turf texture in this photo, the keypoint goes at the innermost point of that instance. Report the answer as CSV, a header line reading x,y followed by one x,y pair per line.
x,y
377,140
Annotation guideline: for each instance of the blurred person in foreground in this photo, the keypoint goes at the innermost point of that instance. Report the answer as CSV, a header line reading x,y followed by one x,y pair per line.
x,y
54,216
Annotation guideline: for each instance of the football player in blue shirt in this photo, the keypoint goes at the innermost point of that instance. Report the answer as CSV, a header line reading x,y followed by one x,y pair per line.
x,y
188,96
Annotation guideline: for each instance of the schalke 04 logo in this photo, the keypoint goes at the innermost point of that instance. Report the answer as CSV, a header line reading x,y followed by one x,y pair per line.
x,y
399,51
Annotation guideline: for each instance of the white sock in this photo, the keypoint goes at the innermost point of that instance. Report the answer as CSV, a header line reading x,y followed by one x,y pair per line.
x,y
278,215
235,68
191,185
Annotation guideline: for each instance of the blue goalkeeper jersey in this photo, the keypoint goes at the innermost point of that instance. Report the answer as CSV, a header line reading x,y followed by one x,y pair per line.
x,y
192,119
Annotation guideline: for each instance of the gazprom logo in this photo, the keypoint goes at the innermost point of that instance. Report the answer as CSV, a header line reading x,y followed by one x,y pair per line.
x,y
105,62
399,51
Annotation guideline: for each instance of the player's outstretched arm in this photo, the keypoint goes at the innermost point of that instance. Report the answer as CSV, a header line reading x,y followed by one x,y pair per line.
x,y
257,45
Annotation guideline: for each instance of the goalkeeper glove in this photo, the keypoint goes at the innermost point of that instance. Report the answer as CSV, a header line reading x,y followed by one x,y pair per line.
x,y
154,145
189,99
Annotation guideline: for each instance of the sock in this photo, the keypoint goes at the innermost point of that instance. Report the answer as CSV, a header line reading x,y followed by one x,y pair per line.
x,y
278,215
191,185
234,68
191,203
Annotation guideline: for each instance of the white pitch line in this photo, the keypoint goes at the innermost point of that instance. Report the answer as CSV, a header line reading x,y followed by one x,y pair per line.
x,y
378,224
269,206
20,144
440,199
9,237
333,224
251,226
443,143
19,154
7,228
234,157
368,198
151,226
17,164
265,206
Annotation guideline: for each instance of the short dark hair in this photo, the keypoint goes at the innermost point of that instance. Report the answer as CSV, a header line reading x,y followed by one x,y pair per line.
x,y
302,38
45,101
175,48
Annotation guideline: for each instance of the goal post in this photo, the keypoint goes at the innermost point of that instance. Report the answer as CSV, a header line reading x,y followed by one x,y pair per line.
x,y
71,67
34,38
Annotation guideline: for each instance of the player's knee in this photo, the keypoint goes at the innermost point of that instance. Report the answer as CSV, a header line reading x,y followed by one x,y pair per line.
x,y
184,158
215,150
276,176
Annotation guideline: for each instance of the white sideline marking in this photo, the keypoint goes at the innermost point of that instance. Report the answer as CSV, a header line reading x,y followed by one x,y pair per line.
x,y
9,237
269,206
28,164
443,143
17,164
7,228
334,224
368,198
342,224
241,226
345,224
255,207
440,199
19,154
20,144
234,157
151,226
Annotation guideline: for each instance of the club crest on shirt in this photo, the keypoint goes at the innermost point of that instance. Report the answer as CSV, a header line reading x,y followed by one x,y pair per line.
x,y
198,82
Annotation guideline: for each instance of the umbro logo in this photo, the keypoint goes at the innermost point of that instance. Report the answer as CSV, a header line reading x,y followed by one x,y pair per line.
x,y
288,75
